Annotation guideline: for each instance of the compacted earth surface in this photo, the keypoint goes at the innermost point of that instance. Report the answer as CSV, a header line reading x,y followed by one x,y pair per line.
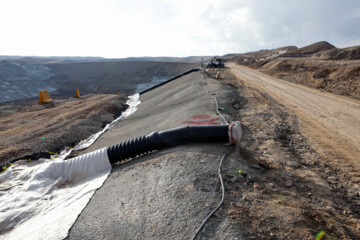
x,y
29,130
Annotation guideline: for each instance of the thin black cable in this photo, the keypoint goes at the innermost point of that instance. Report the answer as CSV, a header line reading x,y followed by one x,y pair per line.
x,y
216,102
208,210
222,197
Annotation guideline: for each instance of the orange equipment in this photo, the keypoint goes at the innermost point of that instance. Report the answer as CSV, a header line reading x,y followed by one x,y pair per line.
x,y
77,93
44,97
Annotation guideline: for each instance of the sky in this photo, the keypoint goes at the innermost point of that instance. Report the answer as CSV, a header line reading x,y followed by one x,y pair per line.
x,y
179,28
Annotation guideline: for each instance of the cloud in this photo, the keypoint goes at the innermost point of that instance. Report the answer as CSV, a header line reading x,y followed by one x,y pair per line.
x,y
119,28
264,24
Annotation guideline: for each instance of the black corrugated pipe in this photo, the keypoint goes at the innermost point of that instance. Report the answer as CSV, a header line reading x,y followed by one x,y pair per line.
x,y
174,137
156,141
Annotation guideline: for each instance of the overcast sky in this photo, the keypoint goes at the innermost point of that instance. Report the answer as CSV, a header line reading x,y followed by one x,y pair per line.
x,y
123,28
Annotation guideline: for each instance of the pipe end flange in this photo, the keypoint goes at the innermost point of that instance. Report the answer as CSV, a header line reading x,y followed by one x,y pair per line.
x,y
235,132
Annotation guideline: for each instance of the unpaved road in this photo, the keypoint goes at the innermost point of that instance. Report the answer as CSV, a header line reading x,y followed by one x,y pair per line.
x,y
330,122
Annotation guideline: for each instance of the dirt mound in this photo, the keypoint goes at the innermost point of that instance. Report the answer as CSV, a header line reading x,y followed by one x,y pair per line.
x,y
352,53
315,47
263,54
286,48
335,70
32,130
339,77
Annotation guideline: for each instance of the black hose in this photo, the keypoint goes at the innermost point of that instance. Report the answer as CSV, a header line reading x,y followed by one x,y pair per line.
x,y
169,80
167,138
222,196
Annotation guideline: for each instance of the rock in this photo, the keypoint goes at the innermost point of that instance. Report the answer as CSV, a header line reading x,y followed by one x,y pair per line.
x,y
264,164
301,186
236,106
309,193
231,212
234,101
332,179
252,178
289,183
257,186
292,164
271,185
255,166
265,191
233,180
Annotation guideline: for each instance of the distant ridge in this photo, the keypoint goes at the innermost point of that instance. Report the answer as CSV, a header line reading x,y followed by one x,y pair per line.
x,y
65,59
315,47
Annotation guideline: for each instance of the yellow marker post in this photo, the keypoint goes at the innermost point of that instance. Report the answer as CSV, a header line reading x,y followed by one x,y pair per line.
x,y
77,93
44,97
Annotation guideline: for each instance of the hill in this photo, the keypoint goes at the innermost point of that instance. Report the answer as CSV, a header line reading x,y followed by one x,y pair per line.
x,y
319,65
351,53
108,77
315,47
62,76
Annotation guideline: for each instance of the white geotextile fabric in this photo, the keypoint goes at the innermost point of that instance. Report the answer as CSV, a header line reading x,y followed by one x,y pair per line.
x,y
133,102
42,199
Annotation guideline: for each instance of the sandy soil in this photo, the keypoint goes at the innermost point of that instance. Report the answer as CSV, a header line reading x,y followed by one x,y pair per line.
x,y
29,130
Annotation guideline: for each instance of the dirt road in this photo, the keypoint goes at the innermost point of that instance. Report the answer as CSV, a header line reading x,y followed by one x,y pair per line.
x,y
330,122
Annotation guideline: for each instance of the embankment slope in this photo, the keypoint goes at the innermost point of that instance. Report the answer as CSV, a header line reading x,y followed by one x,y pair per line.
x,y
30,130
275,183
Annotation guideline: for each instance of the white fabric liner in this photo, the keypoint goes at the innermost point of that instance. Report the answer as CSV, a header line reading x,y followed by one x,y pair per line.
x,y
133,102
42,199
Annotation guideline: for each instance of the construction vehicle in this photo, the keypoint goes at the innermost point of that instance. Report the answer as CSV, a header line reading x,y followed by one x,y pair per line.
x,y
215,63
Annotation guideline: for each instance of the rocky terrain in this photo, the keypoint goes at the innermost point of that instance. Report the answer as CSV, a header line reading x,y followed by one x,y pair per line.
x,y
318,65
